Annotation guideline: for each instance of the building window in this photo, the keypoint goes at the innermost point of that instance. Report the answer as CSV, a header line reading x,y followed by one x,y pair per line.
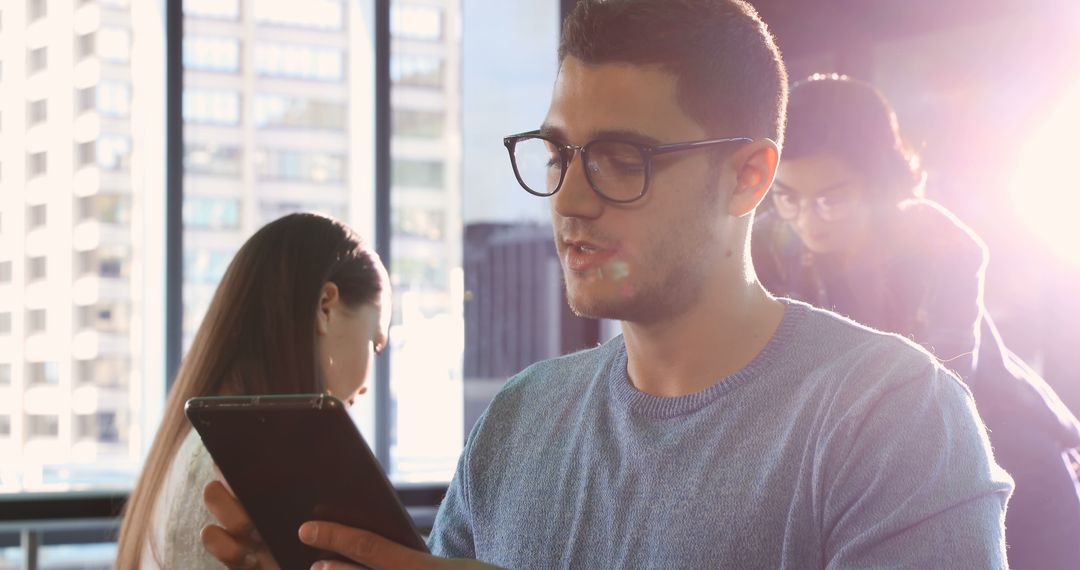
x,y
206,266
301,166
100,427
42,373
300,62
5,426
110,262
114,152
36,321
36,112
37,60
104,317
421,223
36,268
315,14
5,324
413,123
104,371
213,160
42,426
280,111
5,272
212,54
36,164
272,210
35,10
216,9
85,99
105,208
5,374
211,213
211,107
412,22
113,99
85,46
416,70
85,153
417,173
35,216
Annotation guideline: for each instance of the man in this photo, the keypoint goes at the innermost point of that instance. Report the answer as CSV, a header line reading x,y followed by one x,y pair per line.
x,y
724,428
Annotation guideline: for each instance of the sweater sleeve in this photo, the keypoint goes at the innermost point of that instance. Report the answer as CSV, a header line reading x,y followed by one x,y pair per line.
x,y
908,477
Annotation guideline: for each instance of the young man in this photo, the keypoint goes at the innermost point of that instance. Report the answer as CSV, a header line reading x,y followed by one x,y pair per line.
x,y
725,427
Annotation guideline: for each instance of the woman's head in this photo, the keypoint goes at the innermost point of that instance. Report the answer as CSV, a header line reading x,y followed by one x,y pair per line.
x,y
844,162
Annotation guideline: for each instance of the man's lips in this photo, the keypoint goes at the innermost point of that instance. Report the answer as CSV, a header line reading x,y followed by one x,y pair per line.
x,y
582,256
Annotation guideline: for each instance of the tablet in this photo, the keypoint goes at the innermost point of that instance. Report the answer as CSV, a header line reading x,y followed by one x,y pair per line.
x,y
295,458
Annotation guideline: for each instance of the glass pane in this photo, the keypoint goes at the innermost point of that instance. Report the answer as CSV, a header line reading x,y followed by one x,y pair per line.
x,y
81,197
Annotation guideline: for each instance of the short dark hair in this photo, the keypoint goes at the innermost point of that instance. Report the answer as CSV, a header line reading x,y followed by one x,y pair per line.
x,y
731,77
853,121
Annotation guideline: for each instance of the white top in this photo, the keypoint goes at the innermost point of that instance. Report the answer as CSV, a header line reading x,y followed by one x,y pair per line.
x,y
179,515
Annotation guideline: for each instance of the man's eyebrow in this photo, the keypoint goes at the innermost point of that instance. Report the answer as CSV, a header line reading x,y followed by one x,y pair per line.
x,y
618,135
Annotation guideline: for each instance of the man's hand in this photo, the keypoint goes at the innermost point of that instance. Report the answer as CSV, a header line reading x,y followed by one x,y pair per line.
x,y
373,551
235,543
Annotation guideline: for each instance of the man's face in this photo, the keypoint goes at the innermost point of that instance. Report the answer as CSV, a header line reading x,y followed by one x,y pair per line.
x,y
645,260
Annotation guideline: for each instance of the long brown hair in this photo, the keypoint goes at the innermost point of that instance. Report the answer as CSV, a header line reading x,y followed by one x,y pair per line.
x,y
258,337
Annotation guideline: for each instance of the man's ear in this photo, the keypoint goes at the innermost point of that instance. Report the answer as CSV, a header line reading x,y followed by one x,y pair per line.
x,y
329,299
755,168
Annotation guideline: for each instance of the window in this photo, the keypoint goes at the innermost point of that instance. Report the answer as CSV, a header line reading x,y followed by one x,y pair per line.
x,y
36,112
211,107
35,10
211,213
36,164
100,427
113,152
85,153
35,268
211,159
5,426
5,272
104,317
419,223
315,14
412,123
85,99
35,216
206,266
5,374
300,62
37,59
105,208
113,99
85,46
42,426
299,166
212,54
216,9
417,173
272,210
36,321
42,373
5,324
416,22
416,70
109,262
280,111
104,371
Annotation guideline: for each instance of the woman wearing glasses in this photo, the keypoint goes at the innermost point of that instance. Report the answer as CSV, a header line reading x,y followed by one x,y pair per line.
x,y
848,230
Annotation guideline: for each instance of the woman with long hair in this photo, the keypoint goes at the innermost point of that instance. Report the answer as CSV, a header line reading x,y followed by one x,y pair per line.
x,y
302,308
848,229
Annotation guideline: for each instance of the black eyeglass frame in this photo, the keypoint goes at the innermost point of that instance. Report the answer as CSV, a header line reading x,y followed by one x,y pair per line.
x,y
567,152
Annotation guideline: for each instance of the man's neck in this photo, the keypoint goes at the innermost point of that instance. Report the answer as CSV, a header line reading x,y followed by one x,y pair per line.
x,y
704,344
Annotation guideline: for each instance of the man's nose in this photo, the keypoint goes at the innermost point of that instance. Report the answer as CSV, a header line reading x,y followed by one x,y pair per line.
x,y
576,198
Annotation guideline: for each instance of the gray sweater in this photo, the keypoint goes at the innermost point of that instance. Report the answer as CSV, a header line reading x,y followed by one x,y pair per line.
x,y
836,447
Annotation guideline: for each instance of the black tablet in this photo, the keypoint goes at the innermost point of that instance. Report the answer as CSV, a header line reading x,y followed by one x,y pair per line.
x,y
296,458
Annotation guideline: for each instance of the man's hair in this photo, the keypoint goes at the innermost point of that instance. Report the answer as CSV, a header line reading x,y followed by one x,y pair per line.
x,y
730,75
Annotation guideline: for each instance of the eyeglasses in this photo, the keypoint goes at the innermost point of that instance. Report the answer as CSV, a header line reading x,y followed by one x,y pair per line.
x,y
618,171
831,204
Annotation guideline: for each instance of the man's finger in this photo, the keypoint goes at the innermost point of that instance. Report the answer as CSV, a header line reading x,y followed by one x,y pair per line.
x,y
364,547
229,551
227,510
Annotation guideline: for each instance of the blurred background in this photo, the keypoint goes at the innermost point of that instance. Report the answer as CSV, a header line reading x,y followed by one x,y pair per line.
x,y
142,141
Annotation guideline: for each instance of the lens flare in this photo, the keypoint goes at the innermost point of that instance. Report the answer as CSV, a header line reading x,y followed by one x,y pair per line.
x,y
1044,194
